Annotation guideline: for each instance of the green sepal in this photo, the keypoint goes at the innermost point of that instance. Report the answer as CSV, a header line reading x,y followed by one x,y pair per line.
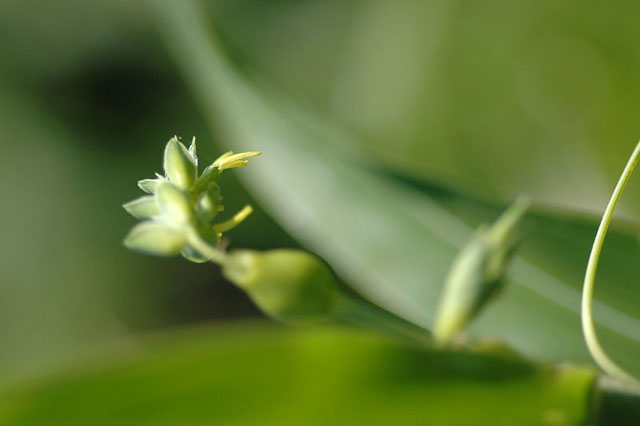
x,y
192,151
179,164
155,238
148,185
144,207
174,203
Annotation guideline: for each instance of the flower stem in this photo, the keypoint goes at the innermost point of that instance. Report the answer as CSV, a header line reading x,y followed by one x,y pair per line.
x,y
356,310
205,249
588,327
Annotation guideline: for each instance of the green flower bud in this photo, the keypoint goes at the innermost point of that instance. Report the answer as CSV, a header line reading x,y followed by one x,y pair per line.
x,y
288,285
179,164
187,203
477,273
144,207
210,202
155,238
174,203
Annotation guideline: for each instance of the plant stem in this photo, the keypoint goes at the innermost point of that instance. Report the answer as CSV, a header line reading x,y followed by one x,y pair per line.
x,y
364,313
205,249
588,327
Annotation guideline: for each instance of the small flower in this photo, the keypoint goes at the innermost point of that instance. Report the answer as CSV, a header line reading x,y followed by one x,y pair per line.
x,y
180,209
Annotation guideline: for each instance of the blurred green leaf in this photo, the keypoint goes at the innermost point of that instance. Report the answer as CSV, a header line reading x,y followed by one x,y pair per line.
x,y
78,129
496,95
391,241
259,375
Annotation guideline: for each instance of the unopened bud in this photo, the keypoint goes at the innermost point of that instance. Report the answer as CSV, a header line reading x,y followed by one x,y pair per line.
x,y
289,285
179,164
210,202
478,272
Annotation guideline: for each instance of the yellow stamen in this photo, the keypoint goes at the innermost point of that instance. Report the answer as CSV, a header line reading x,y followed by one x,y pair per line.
x,y
234,221
233,164
223,156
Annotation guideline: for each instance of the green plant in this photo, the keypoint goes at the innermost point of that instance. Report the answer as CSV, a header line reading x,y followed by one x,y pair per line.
x,y
296,287
201,55
179,216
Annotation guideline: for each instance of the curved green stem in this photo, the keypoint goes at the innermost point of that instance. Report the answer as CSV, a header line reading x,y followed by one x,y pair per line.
x,y
588,327
205,249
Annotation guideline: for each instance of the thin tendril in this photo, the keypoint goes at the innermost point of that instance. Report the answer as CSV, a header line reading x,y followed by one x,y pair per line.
x,y
588,327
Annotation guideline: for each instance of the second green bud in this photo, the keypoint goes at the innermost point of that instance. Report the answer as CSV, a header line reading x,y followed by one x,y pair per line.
x,y
289,285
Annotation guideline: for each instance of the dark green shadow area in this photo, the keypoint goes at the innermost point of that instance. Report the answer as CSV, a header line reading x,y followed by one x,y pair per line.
x,y
250,374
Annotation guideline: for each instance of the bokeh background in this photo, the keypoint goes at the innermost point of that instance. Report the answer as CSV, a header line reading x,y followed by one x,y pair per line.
x,y
486,99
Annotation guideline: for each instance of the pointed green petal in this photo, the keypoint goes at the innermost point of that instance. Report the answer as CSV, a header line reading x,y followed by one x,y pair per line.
x,y
148,185
179,164
144,207
192,151
156,239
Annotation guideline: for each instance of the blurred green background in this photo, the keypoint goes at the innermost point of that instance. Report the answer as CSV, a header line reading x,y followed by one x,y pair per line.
x,y
466,104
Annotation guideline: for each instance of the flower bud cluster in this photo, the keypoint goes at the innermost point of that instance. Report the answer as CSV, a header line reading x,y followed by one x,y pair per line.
x,y
181,206
179,216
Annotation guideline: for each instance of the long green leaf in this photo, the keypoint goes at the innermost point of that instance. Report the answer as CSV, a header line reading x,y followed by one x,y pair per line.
x,y
391,241
259,375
